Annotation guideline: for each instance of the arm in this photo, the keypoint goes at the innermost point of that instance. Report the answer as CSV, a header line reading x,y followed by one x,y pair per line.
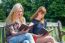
x,y
13,32
38,36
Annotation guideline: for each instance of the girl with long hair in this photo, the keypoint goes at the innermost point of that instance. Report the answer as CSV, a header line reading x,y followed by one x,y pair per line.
x,y
39,24
13,34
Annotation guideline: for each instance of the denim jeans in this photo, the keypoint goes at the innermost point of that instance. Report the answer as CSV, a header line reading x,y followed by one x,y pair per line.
x,y
24,38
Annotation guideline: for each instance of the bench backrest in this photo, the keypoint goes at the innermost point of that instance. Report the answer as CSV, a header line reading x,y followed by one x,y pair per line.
x,y
56,27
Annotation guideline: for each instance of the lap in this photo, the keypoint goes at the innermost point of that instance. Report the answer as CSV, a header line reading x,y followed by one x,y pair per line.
x,y
45,39
22,37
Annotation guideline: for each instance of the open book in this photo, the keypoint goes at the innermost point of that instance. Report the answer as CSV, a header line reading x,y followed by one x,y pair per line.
x,y
25,27
44,31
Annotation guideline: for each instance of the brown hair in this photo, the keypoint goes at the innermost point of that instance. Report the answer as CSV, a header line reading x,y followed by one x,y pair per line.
x,y
39,9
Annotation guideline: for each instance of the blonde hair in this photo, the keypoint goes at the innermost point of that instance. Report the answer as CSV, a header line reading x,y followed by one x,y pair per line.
x,y
10,18
35,14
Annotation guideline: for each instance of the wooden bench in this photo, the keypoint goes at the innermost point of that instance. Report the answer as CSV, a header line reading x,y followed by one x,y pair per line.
x,y
55,26
2,31
56,33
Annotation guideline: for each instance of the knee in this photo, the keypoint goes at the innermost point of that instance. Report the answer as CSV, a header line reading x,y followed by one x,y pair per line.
x,y
50,38
28,35
25,41
12,40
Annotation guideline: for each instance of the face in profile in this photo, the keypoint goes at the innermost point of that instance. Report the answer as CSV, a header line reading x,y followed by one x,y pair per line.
x,y
40,14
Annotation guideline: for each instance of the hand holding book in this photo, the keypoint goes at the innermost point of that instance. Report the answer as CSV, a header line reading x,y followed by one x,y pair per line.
x,y
43,31
26,27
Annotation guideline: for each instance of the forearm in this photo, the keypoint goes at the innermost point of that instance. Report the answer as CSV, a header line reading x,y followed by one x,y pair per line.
x,y
36,35
18,33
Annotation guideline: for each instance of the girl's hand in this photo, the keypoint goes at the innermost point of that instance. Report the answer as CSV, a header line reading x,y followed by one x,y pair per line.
x,y
38,36
23,31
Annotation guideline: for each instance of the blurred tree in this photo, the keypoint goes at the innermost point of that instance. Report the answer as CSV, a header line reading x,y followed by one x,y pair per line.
x,y
55,8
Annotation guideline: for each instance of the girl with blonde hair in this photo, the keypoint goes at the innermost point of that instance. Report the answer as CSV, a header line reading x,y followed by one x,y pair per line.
x,y
40,24
14,21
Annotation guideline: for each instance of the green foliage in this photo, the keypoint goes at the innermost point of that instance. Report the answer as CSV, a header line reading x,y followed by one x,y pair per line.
x,y
55,8
2,13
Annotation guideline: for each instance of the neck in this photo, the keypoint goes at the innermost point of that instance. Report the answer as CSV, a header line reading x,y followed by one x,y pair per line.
x,y
38,19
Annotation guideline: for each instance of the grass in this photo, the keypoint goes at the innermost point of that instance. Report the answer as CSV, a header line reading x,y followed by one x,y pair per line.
x,y
0,35
63,28
64,35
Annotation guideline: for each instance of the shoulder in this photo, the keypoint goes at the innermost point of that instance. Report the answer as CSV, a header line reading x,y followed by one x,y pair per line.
x,y
23,17
34,21
24,20
45,20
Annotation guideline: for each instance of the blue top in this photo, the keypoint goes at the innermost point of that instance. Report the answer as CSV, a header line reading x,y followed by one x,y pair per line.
x,y
38,26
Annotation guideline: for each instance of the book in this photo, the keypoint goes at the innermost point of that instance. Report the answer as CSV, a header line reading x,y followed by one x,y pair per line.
x,y
43,31
25,27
